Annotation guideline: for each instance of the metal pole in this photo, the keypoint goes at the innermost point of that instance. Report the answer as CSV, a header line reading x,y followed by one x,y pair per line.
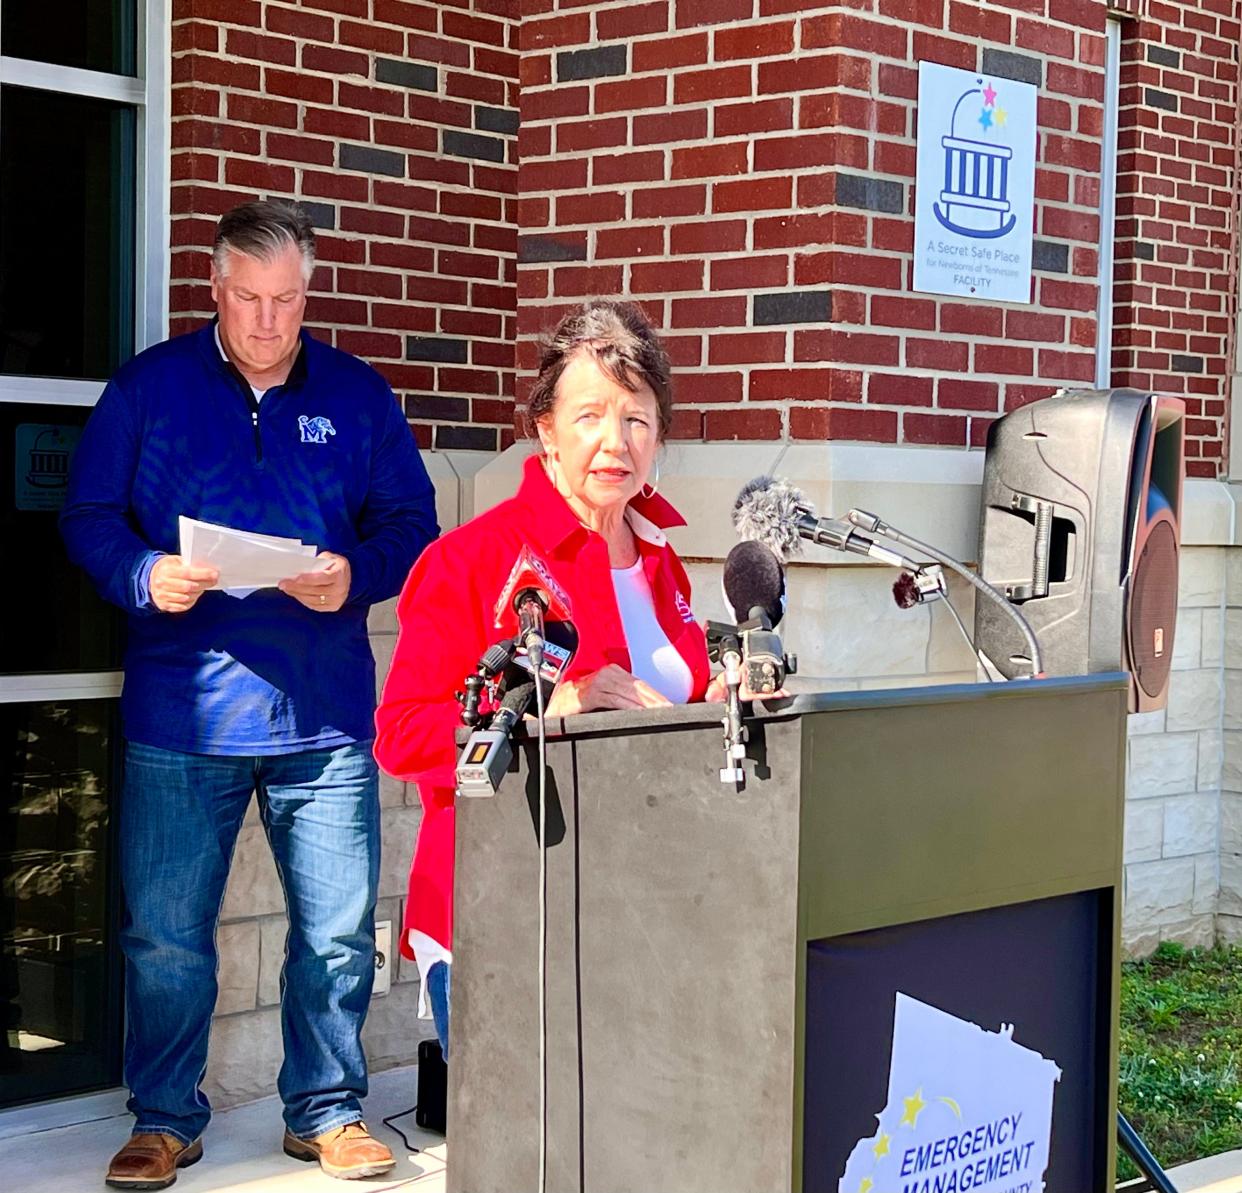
x,y
1147,1164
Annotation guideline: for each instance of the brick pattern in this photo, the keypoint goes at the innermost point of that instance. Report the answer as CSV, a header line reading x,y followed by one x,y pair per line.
x,y
1175,300
745,168
394,122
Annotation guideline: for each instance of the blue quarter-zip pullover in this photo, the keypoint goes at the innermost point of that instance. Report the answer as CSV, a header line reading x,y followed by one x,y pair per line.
x,y
328,458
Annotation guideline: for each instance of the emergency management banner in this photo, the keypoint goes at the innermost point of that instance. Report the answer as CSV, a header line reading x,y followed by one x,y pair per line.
x,y
968,1111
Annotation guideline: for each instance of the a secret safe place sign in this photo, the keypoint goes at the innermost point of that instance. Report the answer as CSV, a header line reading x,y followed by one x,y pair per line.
x,y
974,200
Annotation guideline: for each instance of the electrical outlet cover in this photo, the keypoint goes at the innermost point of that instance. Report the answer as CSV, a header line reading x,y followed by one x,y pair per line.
x,y
384,959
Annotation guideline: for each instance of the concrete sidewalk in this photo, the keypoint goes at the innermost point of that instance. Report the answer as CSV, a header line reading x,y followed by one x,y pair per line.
x,y
242,1155
241,1152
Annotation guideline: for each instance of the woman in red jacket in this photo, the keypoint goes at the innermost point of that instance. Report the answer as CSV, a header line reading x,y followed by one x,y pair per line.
x,y
588,509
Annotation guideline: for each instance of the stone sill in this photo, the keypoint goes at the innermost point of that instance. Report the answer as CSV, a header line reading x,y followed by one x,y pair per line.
x,y
931,493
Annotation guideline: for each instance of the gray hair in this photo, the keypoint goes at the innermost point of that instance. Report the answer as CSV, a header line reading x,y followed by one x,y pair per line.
x,y
263,230
619,337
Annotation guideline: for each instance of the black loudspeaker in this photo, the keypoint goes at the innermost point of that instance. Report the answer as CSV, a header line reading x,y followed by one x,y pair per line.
x,y
431,1113
1080,527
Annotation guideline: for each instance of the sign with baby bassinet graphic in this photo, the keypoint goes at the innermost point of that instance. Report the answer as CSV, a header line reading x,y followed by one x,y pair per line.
x,y
974,201
968,1111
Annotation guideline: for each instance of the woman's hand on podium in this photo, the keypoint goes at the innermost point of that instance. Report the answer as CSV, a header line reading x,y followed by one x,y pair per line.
x,y
610,687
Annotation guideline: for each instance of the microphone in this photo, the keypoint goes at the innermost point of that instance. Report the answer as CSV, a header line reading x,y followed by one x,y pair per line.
x,y
754,583
919,588
754,590
486,756
529,572
495,659
530,605
775,513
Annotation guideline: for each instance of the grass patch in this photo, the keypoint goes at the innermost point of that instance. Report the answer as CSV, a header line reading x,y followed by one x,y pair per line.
x,y
1181,1052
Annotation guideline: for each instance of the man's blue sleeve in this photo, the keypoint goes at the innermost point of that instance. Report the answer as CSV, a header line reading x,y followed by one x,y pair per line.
x,y
399,517
96,522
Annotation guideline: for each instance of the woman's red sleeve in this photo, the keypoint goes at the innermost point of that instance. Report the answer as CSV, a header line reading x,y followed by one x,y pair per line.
x,y
440,638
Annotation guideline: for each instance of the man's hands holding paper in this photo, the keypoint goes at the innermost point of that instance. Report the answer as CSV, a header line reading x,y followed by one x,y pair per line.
x,y
323,591
175,585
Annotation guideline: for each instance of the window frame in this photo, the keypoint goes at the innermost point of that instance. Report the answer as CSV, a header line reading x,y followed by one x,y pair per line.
x,y
148,92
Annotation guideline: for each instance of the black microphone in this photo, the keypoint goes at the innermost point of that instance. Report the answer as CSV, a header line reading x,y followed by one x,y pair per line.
x,y
493,662
485,757
754,589
530,605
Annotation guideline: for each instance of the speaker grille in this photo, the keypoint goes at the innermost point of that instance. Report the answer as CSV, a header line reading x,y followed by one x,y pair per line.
x,y
1153,609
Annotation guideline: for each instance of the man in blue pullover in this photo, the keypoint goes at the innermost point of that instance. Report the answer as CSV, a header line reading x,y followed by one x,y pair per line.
x,y
252,424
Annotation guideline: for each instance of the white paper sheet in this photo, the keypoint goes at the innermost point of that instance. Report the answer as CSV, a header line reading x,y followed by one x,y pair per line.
x,y
245,559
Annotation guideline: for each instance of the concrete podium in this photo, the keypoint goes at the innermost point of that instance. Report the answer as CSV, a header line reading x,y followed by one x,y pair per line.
x,y
722,965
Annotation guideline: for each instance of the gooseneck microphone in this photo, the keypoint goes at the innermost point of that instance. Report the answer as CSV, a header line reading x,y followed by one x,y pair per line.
x,y
775,513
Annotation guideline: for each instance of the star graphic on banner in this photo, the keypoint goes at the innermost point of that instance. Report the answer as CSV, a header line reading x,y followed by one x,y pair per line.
x,y
867,1185
989,96
1001,117
914,1107
985,119
881,1147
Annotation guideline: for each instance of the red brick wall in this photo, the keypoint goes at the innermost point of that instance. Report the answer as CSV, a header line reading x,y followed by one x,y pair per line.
x,y
745,168
1176,295
394,121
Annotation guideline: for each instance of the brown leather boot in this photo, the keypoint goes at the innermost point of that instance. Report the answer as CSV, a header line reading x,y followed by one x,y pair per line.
x,y
348,1153
151,1162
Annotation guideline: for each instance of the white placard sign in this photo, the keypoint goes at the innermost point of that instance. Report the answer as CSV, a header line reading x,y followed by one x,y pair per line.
x,y
974,197
969,1111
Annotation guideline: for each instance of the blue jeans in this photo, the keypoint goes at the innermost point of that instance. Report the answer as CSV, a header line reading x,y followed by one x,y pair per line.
x,y
439,983
180,815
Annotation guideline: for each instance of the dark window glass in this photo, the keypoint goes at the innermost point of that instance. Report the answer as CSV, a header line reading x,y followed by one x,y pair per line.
x,y
60,1023
67,192
63,624
91,34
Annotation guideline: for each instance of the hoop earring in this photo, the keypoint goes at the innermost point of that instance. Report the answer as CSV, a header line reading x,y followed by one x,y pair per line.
x,y
655,488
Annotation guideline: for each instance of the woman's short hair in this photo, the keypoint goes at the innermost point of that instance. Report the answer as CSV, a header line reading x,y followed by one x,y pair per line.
x,y
263,230
619,337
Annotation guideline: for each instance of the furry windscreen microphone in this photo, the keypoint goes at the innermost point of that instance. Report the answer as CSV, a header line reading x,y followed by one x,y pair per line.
x,y
754,580
906,591
767,511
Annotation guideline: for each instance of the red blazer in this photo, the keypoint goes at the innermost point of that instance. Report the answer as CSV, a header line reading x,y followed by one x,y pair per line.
x,y
446,616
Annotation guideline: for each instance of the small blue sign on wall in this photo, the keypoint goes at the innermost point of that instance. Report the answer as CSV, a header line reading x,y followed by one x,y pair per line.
x,y
41,465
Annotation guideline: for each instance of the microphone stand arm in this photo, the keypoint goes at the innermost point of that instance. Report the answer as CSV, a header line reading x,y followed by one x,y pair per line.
x,y
874,525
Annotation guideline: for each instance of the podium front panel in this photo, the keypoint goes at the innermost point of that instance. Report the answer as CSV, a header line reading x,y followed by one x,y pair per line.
x,y
697,935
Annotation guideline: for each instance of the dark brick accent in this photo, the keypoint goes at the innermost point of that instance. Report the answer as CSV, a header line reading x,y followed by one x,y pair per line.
x,y
599,63
322,215
797,306
1050,257
1163,56
871,194
1145,249
1007,65
1187,364
373,161
496,120
433,406
538,249
407,74
474,439
484,149
1160,99
445,352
